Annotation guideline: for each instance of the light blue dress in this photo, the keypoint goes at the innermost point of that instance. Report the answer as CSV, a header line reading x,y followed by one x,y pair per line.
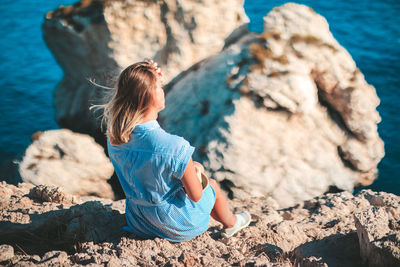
x,y
150,167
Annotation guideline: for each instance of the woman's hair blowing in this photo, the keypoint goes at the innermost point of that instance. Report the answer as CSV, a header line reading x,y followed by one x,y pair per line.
x,y
130,101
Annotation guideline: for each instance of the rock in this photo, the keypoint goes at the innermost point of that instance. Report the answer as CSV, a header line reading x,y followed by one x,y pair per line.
x,y
317,232
38,225
52,194
97,39
312,262
69,160
334,250
378,230
55,258
285,113
6,252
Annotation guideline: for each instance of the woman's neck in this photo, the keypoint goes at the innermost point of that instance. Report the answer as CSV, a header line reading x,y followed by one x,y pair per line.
x,y
151,115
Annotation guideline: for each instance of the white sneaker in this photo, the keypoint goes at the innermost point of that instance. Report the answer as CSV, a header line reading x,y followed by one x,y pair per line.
x,y
243,220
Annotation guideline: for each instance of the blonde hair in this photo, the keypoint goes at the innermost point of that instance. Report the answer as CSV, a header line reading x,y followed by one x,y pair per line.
x,y
130,100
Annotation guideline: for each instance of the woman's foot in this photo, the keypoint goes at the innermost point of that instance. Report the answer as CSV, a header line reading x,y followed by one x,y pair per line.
x,y
243,220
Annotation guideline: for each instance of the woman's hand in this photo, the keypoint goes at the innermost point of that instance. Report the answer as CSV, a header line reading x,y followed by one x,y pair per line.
x,y
155,66
193,187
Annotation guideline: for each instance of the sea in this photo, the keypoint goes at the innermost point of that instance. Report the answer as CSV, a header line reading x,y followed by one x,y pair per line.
x,y
368,29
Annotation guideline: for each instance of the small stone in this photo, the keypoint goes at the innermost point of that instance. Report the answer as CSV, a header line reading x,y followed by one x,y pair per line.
x,y
114,261
35,258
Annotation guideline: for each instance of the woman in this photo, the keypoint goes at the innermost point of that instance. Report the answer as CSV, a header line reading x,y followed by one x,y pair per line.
x,y
164,197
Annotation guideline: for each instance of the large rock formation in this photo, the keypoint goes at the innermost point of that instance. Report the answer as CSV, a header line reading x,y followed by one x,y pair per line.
x,y
94,37
70,160
285,114
48,227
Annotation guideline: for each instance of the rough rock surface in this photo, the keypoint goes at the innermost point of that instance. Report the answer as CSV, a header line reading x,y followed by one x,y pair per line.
x,y
378,230
6,252
94,37
70,160
285,114
318,232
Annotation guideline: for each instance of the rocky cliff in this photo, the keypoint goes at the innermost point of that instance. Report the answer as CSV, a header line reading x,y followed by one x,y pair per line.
x,y
43,225
285,113
282,113
97,38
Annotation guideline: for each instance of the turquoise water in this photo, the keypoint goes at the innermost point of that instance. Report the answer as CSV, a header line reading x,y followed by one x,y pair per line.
x,y
28,74
369,30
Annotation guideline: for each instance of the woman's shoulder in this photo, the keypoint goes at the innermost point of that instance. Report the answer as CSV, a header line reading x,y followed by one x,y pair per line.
x,y
170,143
157,141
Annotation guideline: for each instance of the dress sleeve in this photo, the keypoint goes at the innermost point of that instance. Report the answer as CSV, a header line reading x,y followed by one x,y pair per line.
x,y
182,159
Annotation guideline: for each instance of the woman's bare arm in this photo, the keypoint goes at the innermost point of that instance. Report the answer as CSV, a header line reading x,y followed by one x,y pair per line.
x,y
193,187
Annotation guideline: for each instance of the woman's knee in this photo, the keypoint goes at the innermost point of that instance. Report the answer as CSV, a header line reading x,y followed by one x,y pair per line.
x,y
214,185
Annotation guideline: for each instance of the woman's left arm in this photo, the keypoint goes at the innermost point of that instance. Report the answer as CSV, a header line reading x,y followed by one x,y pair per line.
x,y
193,187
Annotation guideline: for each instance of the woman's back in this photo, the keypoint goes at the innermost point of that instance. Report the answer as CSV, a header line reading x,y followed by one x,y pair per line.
x,y
149,168
148,165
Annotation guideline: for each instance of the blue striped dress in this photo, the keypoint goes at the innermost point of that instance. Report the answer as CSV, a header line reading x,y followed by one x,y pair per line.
x,y
150,167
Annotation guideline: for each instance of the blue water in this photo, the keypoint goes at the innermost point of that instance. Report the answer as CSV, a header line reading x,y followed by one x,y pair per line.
x,y
368,29
28,74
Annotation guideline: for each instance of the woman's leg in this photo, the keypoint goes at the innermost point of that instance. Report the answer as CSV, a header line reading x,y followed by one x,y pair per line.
x,y
221,211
